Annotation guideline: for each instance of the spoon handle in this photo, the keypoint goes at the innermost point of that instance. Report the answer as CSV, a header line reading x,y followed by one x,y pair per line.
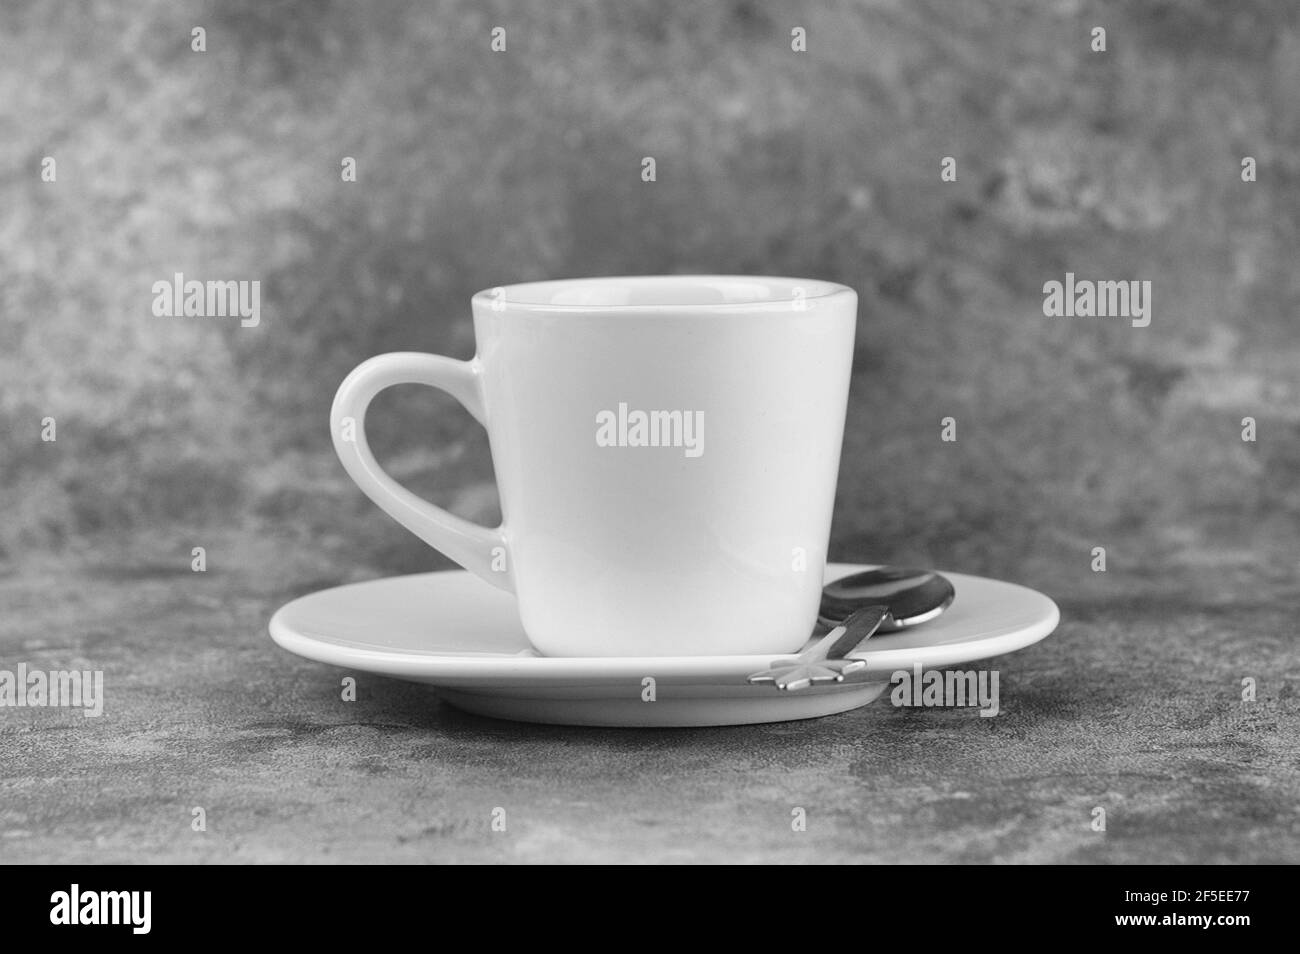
x,y
824,660
846,637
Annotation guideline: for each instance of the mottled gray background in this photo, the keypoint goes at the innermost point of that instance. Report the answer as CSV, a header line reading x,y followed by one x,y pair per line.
x,y
478,169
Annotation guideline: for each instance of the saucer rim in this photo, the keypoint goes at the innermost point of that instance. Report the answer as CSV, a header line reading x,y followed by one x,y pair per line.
x,y
454,666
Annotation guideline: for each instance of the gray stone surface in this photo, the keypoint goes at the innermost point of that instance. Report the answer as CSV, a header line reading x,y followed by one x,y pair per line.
x,y
1133,705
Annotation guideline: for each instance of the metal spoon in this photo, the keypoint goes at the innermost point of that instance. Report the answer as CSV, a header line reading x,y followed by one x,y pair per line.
x,y
895,598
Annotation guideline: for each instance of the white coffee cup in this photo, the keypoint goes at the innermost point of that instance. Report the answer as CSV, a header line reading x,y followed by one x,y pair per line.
x,y
666,450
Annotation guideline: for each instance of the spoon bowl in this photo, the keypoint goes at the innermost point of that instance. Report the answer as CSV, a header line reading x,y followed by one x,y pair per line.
x,y
913,596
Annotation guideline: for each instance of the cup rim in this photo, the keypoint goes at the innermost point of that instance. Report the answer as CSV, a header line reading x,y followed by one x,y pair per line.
x,y
538,297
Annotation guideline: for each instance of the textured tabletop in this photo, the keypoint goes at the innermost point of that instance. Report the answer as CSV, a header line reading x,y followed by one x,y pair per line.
x,y
1134,706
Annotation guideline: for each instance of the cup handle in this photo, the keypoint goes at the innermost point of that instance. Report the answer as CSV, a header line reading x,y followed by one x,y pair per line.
x,y
481,550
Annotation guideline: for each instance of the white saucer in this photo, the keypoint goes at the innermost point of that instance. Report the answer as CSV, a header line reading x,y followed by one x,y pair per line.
x,y
453,631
